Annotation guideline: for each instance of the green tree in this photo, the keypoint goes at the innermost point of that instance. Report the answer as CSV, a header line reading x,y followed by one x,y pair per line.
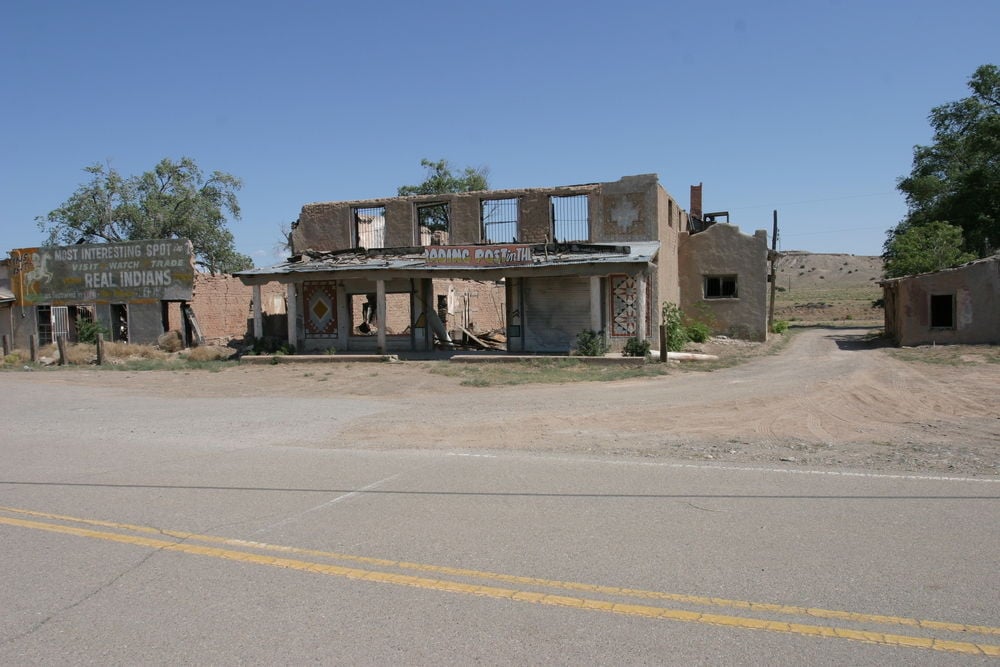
x,y
174,200
923,248
957,177
441,180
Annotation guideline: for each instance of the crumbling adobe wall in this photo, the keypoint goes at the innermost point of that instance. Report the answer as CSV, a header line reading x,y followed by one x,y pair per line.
x,y
222,304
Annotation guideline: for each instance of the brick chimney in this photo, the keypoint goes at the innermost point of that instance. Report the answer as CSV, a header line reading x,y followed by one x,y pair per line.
x,y
695,208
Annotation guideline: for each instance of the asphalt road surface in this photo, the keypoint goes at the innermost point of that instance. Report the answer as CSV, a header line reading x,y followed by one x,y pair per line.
x,y
139,527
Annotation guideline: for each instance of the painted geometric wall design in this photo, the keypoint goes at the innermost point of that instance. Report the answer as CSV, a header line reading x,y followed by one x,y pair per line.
x,y
321,309
624,304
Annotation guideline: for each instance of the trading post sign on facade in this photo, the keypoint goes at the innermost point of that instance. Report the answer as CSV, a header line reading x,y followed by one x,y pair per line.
x,y
131,271
476,255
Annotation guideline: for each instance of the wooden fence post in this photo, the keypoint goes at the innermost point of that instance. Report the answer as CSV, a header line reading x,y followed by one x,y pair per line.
x,y
100,349
33,347
61,344
663,343
6,345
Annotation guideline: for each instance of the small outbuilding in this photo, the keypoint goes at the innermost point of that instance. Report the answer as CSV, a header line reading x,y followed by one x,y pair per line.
x,y
959,305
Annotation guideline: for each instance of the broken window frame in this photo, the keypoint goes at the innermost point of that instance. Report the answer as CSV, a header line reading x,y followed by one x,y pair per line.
x,y
721,286
502,215
941,311
374,238
435,218
570,217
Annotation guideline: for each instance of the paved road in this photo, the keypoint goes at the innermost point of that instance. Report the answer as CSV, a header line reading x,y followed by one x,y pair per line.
x,y
133,532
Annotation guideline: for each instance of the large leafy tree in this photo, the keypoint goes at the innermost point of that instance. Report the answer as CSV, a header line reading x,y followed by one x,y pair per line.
x,y
923,248
440,180
174,200
956,179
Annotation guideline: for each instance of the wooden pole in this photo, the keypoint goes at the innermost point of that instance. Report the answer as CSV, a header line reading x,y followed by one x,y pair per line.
x,y
6,345
100,349
663,343
61,344
33,347
774,283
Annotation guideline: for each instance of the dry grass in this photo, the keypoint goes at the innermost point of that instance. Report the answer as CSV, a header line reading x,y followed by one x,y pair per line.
x,y
120,356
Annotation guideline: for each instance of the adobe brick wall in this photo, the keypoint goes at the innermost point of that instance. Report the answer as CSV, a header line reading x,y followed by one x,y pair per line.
x,y
222,305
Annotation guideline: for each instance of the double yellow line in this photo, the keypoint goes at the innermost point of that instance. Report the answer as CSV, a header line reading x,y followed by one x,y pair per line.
x,y
240,550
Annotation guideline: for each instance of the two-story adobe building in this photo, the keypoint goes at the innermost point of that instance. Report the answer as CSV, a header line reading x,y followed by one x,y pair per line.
x,y
381,274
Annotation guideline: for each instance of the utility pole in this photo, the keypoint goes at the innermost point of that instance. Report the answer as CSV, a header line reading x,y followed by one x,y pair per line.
x,y
773,256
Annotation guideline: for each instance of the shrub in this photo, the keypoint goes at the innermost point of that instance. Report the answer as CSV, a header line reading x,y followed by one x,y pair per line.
x,y
673,321
636,348
88,330
779,326
590,343
698,332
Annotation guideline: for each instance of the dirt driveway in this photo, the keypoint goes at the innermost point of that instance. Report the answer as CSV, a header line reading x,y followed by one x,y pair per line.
x,y
826,399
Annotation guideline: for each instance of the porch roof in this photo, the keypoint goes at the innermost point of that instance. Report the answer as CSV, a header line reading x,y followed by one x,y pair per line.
x,y
388,263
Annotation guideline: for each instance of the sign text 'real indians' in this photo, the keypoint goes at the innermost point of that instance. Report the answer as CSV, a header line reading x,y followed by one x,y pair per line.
x,y
104,273
477,255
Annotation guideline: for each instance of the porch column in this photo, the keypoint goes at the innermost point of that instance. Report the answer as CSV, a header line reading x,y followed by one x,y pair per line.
x,y
641,306
258,317
380,305
595,303
293,316
427,296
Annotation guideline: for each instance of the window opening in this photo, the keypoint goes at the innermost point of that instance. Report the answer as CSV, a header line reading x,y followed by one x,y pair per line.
x,y
366,320
720,287
943,311
119,322
435,223
44,315
499,218
570,215
369,227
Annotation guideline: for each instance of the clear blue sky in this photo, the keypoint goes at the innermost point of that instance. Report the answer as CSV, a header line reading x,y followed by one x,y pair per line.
x,y
808,107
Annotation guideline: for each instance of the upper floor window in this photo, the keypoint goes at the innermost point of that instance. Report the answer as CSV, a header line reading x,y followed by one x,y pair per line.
x,y
570,217
721,287
499,220
369,227
434,221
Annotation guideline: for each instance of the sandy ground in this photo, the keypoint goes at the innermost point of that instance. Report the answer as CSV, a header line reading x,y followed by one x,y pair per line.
x,y
827,398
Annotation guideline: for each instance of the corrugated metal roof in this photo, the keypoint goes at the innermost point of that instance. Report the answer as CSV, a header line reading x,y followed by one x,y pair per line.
x,y
6,295
413,260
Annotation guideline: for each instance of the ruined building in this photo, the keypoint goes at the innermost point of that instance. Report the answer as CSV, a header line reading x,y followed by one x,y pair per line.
x,y
531,267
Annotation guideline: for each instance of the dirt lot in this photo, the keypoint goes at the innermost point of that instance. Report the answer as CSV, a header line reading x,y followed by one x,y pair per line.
x,y
828,397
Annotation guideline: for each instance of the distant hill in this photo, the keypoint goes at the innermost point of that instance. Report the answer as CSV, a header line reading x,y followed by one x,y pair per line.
x,y
828,288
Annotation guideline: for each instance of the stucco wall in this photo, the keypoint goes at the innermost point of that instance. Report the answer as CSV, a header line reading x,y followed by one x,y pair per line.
x,y
976,292
722,250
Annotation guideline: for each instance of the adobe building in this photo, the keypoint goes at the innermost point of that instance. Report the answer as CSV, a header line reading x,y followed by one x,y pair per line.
x,y
126,287
956,305
542,264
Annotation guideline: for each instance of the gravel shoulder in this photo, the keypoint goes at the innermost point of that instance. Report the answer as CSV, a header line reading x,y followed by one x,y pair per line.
x,y
828,398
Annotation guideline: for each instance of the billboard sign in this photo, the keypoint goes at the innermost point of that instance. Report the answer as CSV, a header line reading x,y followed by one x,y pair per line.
x,y
127,272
